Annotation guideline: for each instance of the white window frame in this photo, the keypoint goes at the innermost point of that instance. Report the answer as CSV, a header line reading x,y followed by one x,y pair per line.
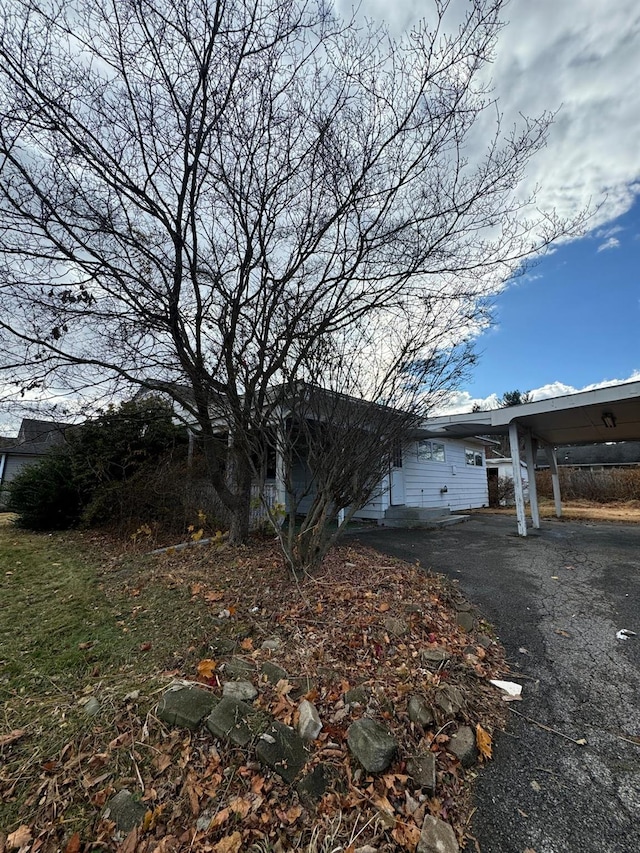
x,y
474,457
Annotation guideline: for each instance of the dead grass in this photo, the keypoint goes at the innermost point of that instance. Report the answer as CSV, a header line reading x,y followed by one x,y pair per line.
x,y
84,617
627,512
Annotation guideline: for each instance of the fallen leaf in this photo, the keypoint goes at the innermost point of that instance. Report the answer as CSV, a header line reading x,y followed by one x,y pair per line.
x,y
19,838
406,835
197,536
12,737
229,844
145,647
206,668
483,742
382,608
247,644
562,633
73,844
84,646
130,844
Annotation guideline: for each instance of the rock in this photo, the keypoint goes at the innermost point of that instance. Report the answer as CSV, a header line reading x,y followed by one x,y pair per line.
x,y
462,606
91,707
301,685
395,626
315,785
371,744
422,769
281,749
484,641
465,620
244,691
185,705
463,745
450,700
273,672
309,724
437,837
236,668
236,721
125,811
357,695
434,657
223,646
272,644
419,712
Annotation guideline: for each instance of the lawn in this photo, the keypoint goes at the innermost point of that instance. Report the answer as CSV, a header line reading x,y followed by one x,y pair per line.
x,y
626,512
93,631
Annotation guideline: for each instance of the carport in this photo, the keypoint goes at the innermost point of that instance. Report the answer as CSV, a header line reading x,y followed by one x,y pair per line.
x,y
588,417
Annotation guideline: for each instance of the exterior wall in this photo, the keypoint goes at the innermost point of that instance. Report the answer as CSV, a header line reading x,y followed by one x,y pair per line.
x,y
505,469
466,485
10,466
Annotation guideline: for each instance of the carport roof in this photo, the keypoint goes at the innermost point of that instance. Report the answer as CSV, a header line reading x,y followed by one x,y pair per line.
x,y
580,418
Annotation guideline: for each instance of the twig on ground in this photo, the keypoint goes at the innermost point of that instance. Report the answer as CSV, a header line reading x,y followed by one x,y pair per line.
x,y
580,742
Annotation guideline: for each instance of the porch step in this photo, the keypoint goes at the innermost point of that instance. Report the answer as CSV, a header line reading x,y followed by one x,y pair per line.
x,y
426,518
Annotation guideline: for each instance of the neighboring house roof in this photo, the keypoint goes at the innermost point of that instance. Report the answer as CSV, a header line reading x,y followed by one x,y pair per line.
x,y
619,453
34,438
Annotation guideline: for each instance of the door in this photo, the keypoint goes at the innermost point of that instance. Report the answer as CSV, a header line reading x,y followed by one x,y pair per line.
x,y
396,496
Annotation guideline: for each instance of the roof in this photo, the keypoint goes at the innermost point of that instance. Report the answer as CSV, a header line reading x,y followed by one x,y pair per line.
x,y
588,417
34,438
619,453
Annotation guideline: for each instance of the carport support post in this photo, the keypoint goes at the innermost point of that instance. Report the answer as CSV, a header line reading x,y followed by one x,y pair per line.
x,y
555,480
531,474
514,443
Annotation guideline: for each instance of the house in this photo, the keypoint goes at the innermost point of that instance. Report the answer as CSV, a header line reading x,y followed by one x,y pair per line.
x,y
34,439
595,457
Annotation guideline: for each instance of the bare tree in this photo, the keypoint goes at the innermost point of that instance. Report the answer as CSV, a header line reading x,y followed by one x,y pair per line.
x,y
202,196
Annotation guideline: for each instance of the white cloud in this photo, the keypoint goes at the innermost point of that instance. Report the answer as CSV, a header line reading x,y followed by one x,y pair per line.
x,y
579,58
611,243
460,402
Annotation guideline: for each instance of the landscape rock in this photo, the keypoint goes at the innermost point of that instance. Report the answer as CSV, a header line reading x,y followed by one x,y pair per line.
x,y
372,745
272,644
244,691
186,705
309,723
237,668
422,769
273,672
450,700
437,837
125,811
465,620
395,626
357,695
484,641
312,787
301,685
281,749
236,721
434,657
419,712
223,646
463,745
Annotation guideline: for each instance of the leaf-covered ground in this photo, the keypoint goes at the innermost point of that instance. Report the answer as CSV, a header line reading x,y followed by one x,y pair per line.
x,y
122,626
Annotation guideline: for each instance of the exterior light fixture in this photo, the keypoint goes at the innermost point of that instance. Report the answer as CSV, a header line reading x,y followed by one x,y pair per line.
x,y
609,420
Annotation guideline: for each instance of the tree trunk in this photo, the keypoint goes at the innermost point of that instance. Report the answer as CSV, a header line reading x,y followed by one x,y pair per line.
x,y
239,483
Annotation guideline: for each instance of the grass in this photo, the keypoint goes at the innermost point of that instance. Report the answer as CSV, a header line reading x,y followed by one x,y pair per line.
x,y
581,510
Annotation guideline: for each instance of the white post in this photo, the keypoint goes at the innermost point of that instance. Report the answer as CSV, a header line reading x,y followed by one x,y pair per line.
x,y
517,478
555,480
281,468
531,473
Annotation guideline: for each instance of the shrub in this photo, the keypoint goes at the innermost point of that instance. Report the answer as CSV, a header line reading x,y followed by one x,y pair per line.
x,y
45,495
605,486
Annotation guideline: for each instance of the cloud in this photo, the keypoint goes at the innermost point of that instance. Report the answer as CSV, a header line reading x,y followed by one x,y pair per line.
x,y
576,58
460,402
611,243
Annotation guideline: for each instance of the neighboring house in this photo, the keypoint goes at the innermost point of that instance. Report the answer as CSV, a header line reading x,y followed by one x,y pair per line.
x,y
595,457
34,439
499,473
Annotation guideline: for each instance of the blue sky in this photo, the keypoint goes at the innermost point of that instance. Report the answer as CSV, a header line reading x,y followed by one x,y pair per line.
x,y
573,319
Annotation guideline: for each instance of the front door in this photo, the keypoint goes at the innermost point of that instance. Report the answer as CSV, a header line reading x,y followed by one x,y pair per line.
x,y
397,477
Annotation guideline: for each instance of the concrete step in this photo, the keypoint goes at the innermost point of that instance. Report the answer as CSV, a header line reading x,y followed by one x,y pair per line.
x,y
416,513
431,524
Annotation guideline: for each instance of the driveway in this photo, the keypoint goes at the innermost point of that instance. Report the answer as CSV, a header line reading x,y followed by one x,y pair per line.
x,y
556,599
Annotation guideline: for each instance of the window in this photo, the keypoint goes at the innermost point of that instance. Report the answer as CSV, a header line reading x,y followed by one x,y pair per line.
x,y
431,451
473,457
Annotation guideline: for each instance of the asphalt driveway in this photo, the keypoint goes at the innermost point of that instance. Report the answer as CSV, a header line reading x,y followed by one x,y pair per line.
x,y
557,599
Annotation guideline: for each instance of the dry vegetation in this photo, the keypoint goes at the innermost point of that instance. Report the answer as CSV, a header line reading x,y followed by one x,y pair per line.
x,y
82,619
611,485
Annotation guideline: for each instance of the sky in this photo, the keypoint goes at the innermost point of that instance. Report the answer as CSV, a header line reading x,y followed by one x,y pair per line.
x,y
571,322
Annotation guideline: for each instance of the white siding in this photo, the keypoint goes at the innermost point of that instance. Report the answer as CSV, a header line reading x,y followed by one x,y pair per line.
x,y
466,485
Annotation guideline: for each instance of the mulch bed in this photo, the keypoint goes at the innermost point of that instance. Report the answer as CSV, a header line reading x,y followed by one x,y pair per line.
x,y
341,628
